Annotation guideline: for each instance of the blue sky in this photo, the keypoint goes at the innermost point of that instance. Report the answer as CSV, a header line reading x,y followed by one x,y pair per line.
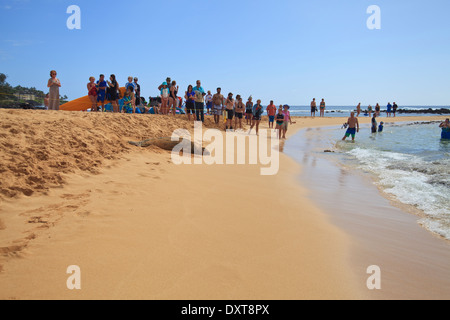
x,y
286,51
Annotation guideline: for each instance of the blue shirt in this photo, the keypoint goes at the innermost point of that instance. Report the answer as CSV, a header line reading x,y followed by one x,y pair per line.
x,y
258,112
102,85
198,89
130,84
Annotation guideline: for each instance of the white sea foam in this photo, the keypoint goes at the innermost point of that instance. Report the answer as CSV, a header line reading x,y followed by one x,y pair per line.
x,y
413,181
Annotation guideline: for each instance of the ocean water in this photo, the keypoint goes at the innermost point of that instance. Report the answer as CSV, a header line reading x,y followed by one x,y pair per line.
x,y
344,111
408,162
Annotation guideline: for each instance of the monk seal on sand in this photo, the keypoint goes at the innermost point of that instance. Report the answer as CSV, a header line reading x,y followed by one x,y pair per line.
x,y
169,145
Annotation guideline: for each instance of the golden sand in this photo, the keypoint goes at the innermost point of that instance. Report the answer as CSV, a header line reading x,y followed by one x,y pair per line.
x,y
74,192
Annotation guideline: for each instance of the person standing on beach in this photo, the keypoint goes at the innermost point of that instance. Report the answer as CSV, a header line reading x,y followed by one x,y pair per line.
x,y
377,109
208,101
239,112
374,123
287,120
46,100
137,91
92,93
165,93
174,97
313,108
217,101
53,84
394,109
389,109
271,112
113,91
322,108
358,109
280,121
229,106
128,106
101,89
369,110
353,127
199,102
190,102
257,114
249,111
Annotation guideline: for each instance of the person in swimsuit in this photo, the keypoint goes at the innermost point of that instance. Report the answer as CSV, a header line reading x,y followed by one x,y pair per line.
x,y
381,127
369,110
353,127
394,109
377,109
280,121
217,101
101,89
113,92
257,114
92,93
445,126
239,112
190,102
174,96
374,123
358,109
287,120
322,108
249,110
313,108
229,107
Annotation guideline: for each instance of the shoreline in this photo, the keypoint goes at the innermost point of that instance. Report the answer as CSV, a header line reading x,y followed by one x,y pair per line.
x,y
94,220
412,259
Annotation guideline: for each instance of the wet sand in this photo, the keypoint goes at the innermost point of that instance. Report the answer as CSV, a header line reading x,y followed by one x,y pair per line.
x,y
414,262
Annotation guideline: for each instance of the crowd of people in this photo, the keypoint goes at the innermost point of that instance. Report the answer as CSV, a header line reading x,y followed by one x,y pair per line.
x,y
234,111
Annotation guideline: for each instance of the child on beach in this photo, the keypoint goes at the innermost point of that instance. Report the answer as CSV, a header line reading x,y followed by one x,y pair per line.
x,y
101,91
92,93
164,98
287,120
381,127
280,121
127,103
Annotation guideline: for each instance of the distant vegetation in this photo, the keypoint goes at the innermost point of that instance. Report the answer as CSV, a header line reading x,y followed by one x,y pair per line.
x,y
16,97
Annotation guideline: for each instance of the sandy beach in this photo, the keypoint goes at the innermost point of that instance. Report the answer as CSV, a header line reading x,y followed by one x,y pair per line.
x,y
74,192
